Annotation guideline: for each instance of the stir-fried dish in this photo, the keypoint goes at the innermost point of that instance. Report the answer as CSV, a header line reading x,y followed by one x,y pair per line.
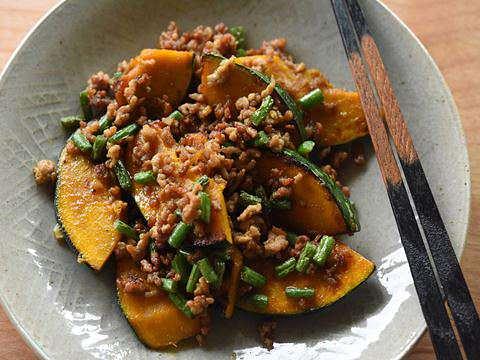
x,y
210,173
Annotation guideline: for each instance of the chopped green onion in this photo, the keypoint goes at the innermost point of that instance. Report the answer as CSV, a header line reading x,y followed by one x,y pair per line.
x,y
324,249
104,123
85,105
117,74
179,234
241,52
70,123
81,141
169,285
220,271
99,146
306,148
203,180
252,277
291,238
181,303
281,204
205,206
248,199
261,140
238,33
261,113
258,300
313,98
305,257
123,176
292,291
207,271
193,278
144,177
176,115
125,229
181,266
124,133
285,268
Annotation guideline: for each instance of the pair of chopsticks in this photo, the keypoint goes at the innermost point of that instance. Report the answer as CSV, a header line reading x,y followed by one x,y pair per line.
x,y
361,49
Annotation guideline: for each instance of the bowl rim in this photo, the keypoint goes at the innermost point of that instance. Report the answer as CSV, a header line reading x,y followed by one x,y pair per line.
x,y
37,348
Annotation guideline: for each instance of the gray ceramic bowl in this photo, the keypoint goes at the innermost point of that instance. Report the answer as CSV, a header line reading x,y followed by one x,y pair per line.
x,y
66,311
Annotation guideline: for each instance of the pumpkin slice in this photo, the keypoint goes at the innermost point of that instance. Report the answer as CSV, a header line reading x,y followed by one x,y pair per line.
x,y
170,73
147,196
86,216
155,319
318,204
240,81
341,113
331,283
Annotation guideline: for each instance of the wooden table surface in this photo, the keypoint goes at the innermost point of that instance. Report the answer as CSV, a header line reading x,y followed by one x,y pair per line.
x,y
451,32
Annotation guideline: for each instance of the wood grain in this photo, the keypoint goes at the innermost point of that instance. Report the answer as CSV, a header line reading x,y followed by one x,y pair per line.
x,y
451,32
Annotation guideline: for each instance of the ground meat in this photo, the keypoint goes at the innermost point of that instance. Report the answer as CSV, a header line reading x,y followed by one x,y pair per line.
x,y
266,330
199,304
249,240
220,73
272,47
192,209
44,172
276,241
132,284
338,157
299,245
358,153
113,153
249,211
202,287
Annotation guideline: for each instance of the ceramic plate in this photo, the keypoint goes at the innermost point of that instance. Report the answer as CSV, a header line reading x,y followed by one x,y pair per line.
x,y
66,311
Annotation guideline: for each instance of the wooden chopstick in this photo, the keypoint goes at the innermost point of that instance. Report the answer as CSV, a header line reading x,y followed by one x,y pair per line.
x,y
451,276
429,294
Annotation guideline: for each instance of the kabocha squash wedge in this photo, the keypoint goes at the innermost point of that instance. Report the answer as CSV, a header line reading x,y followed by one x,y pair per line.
x,y
86,216
147,196
341,113
156,320
170,73
318,204
330,283
240,81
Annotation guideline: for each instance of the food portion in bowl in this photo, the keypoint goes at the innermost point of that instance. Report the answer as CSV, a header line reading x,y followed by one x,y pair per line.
x,y
211,173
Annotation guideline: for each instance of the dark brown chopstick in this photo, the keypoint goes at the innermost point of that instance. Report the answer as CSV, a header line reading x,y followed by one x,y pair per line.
x,y
428,290
451,277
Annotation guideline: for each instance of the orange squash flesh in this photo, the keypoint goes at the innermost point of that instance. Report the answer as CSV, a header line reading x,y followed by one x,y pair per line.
x,y
156,320
86,216
352,270
170,73
341,114
313,207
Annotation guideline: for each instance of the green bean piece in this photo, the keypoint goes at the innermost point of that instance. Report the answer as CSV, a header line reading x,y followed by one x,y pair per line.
x,y
313,98
125,229
252,277
181,266
144,177
70,123
178,212
104,123
117,74
85,105
238,33
176,115
123,176
261,140
261,113
207,271
203,180
193,278
99,146
179,234
285,268
305,257
258,300
261,193
228,143
169,285
292,291
220,271
81,141
205,206
221,254
124,133
281,204
291,238
324,249
306,148
248,199
181,303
